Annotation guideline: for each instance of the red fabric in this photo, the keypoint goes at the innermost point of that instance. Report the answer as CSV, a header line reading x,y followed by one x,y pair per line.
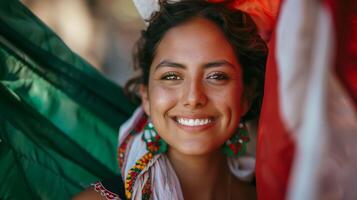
x,y
344,14
275,148
263,12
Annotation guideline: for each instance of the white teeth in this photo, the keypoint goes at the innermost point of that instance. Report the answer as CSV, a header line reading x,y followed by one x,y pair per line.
x,y
193,122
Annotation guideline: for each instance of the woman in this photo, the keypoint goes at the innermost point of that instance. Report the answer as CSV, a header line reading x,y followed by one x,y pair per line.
x,y
202,70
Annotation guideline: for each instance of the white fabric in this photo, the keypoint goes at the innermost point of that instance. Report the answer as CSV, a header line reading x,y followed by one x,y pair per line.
x,y
315,108
303,54
147,7
295,36
242,167
165,183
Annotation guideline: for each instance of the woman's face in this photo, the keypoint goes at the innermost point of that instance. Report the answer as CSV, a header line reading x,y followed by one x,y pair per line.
x,y
194,95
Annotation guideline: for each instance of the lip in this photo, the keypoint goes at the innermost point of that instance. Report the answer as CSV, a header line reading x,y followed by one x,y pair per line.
x,y
196,128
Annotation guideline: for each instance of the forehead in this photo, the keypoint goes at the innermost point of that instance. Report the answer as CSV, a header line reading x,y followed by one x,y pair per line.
x,y
197,40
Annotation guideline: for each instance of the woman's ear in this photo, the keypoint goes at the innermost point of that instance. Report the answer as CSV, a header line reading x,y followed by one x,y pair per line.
x,y
145,99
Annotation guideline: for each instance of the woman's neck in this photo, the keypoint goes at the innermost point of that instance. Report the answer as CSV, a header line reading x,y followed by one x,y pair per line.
x,y
202,177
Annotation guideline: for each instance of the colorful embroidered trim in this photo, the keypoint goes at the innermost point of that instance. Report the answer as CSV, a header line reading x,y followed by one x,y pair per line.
x,y
98,187
139,165
140,125
122,149
146,193
134,172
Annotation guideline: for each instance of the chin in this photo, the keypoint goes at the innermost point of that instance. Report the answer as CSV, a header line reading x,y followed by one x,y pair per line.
x,y
195,149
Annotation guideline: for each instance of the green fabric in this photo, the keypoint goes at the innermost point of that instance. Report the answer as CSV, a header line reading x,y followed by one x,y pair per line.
x,y
59,117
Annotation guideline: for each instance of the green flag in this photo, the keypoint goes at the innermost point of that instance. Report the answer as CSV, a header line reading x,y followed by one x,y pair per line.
x,y
59,117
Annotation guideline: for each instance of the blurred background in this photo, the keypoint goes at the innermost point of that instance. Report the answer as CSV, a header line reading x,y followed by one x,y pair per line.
x,y
101,32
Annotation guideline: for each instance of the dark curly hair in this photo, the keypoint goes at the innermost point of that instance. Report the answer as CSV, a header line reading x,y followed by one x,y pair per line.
x,y
238,27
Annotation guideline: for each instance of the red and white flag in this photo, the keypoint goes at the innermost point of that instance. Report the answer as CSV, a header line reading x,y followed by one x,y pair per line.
x,y
307,143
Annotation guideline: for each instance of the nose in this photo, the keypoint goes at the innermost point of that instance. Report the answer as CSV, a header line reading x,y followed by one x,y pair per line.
x,y
194,94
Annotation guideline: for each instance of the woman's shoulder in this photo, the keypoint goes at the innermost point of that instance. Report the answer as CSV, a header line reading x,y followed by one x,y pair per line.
x,y
109,189
88,194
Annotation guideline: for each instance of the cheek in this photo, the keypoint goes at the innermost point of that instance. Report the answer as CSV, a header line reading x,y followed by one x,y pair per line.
x,y
228,97
161,99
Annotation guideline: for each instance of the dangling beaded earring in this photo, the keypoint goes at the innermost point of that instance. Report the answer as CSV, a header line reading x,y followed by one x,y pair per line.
x,y
154,143
237,144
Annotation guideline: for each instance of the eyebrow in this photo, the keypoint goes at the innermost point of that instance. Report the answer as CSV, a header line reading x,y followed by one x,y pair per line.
x,y
217,63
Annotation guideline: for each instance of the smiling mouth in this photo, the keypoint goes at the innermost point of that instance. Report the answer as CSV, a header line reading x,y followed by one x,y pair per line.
x,y
193,122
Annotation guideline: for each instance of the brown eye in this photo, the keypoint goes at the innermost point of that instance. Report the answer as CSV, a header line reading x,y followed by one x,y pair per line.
x,y
218,76
171,76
